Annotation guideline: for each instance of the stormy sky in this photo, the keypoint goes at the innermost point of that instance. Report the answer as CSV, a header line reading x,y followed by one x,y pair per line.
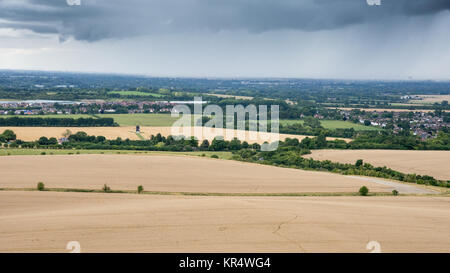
x,y
398,39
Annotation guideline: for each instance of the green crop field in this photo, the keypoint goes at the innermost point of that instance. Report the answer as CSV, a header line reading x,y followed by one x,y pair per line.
x,y
136,93
155,120
163,120
334,124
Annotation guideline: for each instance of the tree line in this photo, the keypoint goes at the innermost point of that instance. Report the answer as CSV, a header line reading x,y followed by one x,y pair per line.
x,y
57,122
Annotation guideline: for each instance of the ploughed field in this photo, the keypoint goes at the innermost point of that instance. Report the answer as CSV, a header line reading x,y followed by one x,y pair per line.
x,y
47,221
433,163
34,133
177,174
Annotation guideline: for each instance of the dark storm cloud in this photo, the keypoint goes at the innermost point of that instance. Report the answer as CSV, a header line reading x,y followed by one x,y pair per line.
x,y
100,19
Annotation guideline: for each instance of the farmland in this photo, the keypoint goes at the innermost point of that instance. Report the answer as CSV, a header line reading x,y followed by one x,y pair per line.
x,y
430,99
121,119
334,124
434,163
46,221
156,120
34,133
161,120
162,173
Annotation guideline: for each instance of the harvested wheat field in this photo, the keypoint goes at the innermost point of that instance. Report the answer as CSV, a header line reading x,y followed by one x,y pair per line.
x,y
431,99
177,174
47,221
434,163
34,133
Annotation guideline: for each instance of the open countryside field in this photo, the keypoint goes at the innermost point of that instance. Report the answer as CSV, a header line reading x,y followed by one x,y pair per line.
x,y
47,221
156,120
431,99
34,133
163,120
434,163
174,174
121,119
334,124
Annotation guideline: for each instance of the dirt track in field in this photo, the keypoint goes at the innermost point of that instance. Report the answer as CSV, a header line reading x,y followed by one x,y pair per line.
x,y
34,133
47,221
434,163
172,174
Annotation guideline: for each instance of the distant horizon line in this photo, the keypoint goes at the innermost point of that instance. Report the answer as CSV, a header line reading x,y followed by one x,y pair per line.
x,y
410,79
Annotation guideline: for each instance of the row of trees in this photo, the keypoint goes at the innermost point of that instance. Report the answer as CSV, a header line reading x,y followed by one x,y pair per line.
x,y
82,140
57,122
291,157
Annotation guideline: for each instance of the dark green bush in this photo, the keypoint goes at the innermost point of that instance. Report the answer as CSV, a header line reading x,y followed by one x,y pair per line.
x,y
40,186
363,191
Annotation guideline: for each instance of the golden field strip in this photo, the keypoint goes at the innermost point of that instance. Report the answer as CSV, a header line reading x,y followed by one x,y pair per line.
x,y
34,133
172,174
434,163
47,221
430,99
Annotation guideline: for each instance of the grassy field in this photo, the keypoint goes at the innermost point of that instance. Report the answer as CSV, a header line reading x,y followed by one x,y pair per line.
x,y
6,152
155,120
161,120
136,93
334,124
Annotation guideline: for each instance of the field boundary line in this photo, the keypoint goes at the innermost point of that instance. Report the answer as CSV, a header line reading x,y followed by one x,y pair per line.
x,y
306,194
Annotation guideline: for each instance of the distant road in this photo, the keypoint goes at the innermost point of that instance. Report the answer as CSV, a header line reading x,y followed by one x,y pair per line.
x,y
400,187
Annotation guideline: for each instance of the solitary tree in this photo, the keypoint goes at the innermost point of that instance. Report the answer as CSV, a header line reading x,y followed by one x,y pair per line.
x,y
140,189
359,163
106,188
40,186
9,135
363,191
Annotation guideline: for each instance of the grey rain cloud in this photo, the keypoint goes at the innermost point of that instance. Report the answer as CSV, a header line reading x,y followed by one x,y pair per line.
x,y
101,19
